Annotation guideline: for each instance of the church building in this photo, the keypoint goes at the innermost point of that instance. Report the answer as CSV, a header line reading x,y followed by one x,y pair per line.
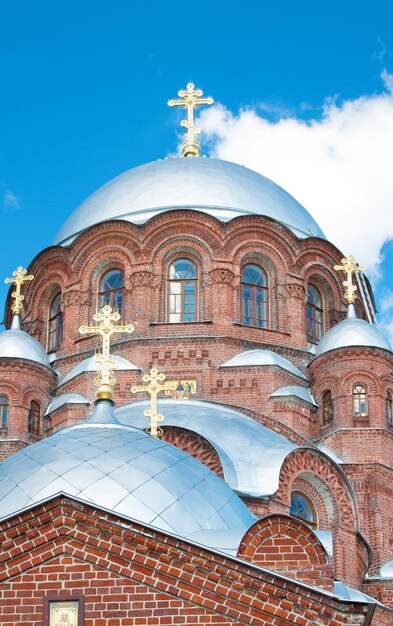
x,y
196,412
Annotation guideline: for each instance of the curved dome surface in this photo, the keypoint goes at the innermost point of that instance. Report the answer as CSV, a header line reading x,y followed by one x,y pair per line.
x,y
91,365
222,189
262,357
251,454
386,570
16,344
352,332
127,471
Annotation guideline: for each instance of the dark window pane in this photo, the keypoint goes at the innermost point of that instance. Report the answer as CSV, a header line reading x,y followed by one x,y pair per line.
x,y
182,289
302,508
111,291
34,418
3,411
314,314
254,297
55,323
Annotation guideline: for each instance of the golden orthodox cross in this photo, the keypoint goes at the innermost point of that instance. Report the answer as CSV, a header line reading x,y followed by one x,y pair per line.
x,y
155,384
349,266
190,98
20,277
106,329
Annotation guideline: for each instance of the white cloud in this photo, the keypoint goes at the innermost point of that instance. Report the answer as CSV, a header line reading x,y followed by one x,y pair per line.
x,y
381,52
339,166
10,200
386,313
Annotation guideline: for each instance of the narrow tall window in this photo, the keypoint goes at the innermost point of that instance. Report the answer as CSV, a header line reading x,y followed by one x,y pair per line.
x,y
111,290
314,314
359,395
327,407
182,294
55,324
255,297
389,407
3,411
34,418
303,508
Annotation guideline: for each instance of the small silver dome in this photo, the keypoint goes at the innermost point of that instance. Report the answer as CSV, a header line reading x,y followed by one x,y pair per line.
x,y
66,398
90,365
352,332
219,188
295,391
125,470
16,344
262,357
386,570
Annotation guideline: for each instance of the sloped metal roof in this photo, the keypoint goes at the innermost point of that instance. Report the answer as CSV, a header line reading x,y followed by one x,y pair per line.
x,y
251,454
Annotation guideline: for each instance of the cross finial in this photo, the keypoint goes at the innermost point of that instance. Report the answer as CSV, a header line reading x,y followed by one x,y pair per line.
x,y
105,378
190,98
156,383
20,277
349,266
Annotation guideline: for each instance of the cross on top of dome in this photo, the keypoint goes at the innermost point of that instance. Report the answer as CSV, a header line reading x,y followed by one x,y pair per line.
x,y
105,378
155,382
19,278
189,99
349,266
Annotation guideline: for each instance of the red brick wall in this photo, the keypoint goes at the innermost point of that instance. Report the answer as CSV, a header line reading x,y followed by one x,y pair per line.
x,y
110,600
21,382
287,545
200,585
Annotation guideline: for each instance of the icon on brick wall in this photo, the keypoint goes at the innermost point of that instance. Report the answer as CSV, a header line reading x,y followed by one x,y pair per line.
x,y
63,612
184,389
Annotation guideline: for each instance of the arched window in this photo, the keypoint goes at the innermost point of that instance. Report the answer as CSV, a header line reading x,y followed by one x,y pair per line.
x,y
111,290
314,314
182,291
55,323
34,418
303,508
327,407
3,411
389,407
255,297
359,396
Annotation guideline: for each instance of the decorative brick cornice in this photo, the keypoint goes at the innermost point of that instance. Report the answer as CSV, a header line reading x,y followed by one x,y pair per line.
x,y
221,276
139,279
311,461
294,290
72,297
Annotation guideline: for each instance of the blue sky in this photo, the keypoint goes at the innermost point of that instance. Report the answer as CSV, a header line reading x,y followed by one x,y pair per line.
x,y
84,92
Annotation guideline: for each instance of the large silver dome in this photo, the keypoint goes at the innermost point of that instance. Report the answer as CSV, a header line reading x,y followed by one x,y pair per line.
x,y
219,188
125,470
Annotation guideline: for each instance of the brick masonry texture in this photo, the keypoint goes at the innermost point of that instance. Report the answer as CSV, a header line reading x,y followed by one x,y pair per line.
x,y
133,575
